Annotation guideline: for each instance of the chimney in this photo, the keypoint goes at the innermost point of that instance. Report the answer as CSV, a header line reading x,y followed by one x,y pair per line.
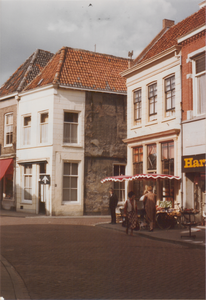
x,y
202,4
167,23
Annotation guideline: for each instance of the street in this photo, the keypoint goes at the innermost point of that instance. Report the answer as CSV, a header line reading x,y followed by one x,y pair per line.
x,y
70,258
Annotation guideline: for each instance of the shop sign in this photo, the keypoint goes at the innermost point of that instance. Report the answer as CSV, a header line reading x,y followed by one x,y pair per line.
x,y
45,179
194,163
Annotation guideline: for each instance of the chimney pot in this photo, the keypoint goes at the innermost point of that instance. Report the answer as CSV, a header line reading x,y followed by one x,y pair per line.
x,y
167,23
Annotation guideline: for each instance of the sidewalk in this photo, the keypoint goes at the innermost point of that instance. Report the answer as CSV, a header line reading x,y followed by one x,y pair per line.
x,y
170,235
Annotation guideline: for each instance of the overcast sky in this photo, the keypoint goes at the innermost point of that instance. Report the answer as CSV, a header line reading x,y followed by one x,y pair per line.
x,y
114,26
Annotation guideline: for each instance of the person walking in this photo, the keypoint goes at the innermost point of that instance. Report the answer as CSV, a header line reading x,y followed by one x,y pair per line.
x,y
150,207
113,200
130,211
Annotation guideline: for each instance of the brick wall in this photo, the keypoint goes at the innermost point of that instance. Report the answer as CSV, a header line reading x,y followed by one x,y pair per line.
x,y
189,46
105,127
4,109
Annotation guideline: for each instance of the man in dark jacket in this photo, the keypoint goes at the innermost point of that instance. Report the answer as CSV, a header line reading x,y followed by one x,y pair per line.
x,y
112,205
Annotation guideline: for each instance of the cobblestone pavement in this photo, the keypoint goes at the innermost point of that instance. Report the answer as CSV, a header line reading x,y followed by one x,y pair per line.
x,y
64,259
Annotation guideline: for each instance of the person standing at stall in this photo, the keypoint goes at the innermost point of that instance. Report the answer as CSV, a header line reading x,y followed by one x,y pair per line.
x,y
150,207
130,211
113,200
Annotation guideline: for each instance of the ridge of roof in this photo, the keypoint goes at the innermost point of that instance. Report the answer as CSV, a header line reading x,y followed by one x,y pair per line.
x,y
149,46
169,38
82,69
26,72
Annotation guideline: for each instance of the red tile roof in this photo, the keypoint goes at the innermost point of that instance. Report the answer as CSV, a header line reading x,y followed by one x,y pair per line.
x,y
169,38
83,69
26,72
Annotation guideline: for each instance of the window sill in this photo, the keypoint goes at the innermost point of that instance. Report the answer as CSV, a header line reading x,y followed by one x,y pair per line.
x,y
168,119
72,145
26,202
70,202
151,123
195,118
8,146
136,127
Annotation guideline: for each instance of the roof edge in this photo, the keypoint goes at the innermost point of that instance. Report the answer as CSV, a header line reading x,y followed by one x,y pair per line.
x,y
150,60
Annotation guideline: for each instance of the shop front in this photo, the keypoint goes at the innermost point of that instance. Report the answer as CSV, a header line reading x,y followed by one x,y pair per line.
x,y
193,167
7,183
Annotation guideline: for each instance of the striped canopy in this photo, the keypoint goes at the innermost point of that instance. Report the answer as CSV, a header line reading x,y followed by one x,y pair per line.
x,y
122,178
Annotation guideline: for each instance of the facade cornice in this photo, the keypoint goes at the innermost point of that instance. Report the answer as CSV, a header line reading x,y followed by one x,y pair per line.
x,y
38,89
92,90
152,136
9,96
146,63
192,35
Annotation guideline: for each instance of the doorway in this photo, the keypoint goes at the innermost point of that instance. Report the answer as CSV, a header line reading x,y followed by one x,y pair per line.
x,y
42,190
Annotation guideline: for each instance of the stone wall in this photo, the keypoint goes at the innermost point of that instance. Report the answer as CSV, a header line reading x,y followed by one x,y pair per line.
x,y
105,128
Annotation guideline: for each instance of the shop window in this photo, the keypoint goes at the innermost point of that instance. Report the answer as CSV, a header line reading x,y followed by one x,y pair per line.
x,y
137,160
44,119
170,94
8,140
28,182
70,182
137,105
138,169
119,187
27,130
167,158
70,127
200,84
152,96
151,157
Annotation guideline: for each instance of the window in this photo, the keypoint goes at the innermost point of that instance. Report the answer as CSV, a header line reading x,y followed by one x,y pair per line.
x,y
170,93
168,158
70,127
152,95
119,187
138,160
70,182
44,118
138,169
200,77
28,182
8,129
151,157
137,104
27,130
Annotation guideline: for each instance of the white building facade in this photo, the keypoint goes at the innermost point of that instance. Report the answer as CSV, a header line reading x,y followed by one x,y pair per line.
x,y
50,146
154,123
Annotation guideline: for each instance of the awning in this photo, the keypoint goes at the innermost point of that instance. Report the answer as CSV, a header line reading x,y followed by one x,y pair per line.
x,y
4,165
139,177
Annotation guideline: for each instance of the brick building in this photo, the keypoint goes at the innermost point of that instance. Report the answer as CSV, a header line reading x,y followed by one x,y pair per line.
x,y
8,120
193,49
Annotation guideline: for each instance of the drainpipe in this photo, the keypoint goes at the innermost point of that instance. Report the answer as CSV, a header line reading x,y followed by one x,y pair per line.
x,y
181,132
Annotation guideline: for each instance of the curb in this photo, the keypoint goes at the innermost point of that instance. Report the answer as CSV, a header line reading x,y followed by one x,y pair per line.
x,y
13,287
159,238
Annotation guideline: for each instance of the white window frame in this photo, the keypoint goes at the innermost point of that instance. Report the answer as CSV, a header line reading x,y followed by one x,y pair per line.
x,y
43,140
75,123
195,83
137,106
78,185
28,140
7,129
24,175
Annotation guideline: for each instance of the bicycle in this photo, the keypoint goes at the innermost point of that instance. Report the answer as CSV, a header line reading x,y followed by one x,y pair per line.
x,y
167,218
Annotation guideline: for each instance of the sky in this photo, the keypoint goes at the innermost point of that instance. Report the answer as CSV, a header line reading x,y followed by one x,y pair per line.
x,y
112,27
